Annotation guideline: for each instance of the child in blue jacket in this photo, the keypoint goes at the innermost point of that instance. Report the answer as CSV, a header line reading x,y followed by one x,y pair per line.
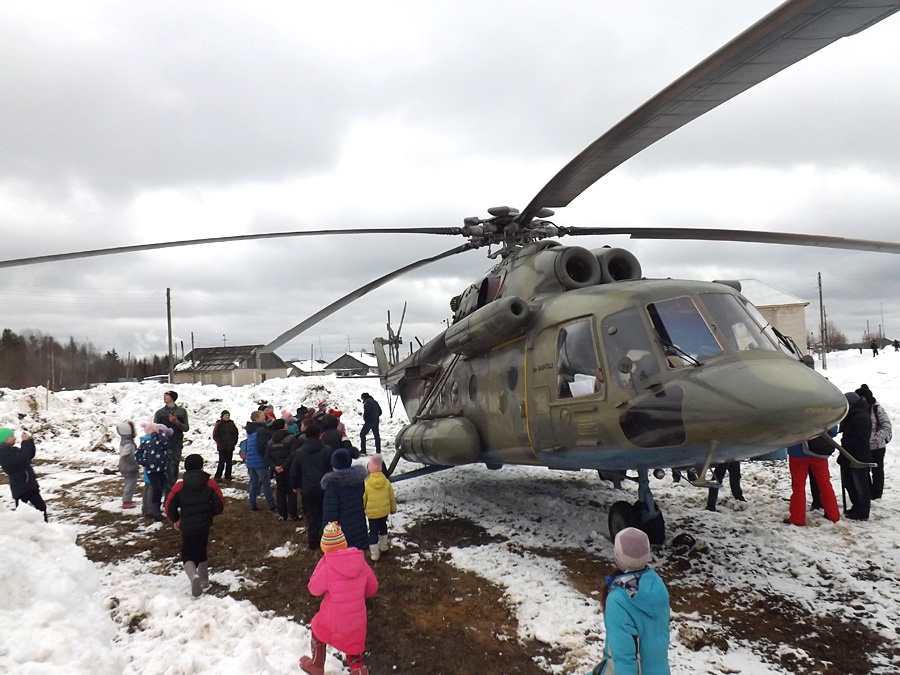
x,y
152,454
636,612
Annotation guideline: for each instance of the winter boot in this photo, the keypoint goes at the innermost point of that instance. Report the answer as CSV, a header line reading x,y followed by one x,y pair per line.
x,y
190,568
374,552
357,667
315,664
383,542
203,573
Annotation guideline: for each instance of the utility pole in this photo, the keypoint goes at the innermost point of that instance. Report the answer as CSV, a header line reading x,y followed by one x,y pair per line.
x,y
169,321
822,325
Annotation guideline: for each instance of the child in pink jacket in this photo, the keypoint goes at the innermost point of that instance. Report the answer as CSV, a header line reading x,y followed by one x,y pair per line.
x,y
345,580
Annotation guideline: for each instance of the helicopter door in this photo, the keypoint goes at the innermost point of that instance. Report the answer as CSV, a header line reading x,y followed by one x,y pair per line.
x,y
567,384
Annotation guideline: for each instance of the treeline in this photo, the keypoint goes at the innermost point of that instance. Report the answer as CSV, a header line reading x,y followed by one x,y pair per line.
x,y
39,360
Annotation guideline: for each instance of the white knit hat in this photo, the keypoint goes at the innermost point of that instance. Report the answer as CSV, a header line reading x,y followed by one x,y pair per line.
x,y
632,549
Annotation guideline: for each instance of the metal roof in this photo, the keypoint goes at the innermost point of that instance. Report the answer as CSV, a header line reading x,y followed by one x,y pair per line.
x,y
226,358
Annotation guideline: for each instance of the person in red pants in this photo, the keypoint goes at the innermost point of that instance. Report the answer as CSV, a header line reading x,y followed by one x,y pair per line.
x,y
810,458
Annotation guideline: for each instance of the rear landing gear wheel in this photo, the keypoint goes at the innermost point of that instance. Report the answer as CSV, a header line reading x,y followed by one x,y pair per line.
x,y
622,515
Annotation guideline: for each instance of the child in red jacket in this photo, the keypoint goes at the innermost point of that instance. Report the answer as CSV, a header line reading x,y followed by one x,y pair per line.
x,y
345,580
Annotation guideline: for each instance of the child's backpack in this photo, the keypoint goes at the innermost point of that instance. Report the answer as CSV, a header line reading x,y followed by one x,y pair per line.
x,y
242,449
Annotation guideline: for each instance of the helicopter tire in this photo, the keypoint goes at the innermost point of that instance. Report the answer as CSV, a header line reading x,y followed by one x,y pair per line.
x,y
655,528
622,515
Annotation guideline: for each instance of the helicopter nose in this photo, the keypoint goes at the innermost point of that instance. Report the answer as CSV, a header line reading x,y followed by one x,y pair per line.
x,y
773,402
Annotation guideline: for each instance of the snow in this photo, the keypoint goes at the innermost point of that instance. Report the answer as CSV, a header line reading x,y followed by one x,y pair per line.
x,y
62,613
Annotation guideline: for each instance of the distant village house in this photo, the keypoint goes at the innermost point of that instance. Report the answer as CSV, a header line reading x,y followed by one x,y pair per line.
x,y
234,366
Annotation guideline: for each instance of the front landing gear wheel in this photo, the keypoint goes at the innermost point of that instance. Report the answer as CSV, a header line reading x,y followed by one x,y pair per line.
x,y
655,529
622,515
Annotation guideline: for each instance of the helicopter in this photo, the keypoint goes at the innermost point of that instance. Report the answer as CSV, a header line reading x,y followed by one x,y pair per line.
x,y
569,358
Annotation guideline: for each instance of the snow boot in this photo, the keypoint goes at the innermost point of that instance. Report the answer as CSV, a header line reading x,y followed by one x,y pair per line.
x,y
357,667
374,552
203,573
315,664
383,544
190,569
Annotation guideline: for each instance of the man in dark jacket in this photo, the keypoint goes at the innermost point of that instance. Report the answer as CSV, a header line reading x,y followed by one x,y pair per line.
x,y
279,457
191,506
16,463
312,461
176,418
225,434
371,418
856,429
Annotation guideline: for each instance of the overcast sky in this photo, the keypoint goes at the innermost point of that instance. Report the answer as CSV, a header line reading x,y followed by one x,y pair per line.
x,y
128,123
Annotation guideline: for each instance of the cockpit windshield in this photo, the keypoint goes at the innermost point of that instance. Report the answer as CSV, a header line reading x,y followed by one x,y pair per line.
x,y
732,323
686,337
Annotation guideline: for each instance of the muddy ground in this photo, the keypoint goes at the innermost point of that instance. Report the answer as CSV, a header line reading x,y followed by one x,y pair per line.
x,y
430,617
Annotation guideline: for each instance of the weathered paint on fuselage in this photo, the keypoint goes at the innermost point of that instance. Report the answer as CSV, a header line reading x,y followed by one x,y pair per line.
x,y
744,403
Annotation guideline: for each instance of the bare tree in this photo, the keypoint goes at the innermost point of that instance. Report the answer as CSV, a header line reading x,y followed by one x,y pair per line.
x,y
835,338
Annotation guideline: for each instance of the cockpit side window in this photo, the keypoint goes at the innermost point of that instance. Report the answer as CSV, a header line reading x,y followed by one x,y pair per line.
x,y
684,333
733,323
578,370
625,336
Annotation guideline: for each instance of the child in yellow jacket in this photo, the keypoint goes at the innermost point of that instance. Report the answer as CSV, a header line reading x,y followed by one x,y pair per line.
x,y
379,502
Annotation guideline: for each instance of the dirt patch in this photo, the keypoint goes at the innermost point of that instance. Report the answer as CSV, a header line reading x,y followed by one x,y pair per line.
x,y
430,617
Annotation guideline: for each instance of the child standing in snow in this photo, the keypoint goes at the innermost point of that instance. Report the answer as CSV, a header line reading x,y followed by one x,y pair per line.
x,y
344,580
128,465
16,463
191,506
379,502
152,454
636,612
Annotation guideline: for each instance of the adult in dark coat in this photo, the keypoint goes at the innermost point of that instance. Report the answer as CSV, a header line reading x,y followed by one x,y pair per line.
x,y
312,461
882,433
734,481
225,434
279,457
371,418
856,429
16,463
343,503
176,418
333,436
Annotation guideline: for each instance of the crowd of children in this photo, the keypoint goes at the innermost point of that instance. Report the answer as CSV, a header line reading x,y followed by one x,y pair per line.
x,y
353,501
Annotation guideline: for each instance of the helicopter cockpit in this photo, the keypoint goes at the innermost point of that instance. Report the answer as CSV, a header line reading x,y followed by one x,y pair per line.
x,y
689,330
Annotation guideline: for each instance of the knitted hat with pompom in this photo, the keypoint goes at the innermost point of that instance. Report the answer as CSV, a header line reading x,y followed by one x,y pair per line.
x,y
333,538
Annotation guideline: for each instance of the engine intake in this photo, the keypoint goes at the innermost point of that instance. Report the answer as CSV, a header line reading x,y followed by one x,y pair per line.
x,y
617,264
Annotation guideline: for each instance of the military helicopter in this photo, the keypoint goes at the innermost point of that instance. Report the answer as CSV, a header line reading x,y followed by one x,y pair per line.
x,y
570,358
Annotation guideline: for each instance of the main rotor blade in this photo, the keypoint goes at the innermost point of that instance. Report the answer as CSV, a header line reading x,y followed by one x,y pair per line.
x,y
325,312
787,35
218,240
754,236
